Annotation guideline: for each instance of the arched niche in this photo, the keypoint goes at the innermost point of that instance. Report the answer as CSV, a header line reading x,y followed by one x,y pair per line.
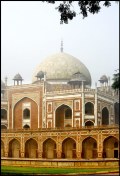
x,y
14,148
89,148
69,148
49,149
31,148
110,147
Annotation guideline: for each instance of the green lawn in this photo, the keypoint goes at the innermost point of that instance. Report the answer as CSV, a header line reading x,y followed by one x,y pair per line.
x,y
29,170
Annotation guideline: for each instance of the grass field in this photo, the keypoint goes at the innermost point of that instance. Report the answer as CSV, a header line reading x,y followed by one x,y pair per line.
x,y
29,170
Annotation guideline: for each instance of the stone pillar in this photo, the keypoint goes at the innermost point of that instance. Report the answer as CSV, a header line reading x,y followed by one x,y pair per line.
x,y
78,154
39,154
59,154
99,155
22,150
22,154
6,154
100,146
78,148
40,150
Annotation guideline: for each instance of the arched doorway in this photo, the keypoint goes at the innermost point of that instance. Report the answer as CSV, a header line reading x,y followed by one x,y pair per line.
x,y
49,149
2,149
69,148
14,148
63,116
89,123
105,116
89,148
31,148
110,147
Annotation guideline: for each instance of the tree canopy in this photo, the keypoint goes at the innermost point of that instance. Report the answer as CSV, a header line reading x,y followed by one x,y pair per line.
x,y
67,11
115,84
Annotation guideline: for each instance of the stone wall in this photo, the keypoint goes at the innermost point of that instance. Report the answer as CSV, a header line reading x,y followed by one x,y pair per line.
x,y
61,163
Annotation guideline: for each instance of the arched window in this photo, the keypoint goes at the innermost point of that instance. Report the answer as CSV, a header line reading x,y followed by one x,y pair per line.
x,y
26,114
3,114
89,108
105,116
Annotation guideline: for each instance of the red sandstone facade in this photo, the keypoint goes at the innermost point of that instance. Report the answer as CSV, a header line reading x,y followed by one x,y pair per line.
x,y
73,124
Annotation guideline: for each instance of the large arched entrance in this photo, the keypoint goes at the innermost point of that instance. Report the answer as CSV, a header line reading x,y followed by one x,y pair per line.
x,y
31,149
110,147
89,148
69,148
105,116
63,116
14,148
2,149
49,149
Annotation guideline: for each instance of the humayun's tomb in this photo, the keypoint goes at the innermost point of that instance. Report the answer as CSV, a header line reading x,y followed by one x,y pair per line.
x,y
59,120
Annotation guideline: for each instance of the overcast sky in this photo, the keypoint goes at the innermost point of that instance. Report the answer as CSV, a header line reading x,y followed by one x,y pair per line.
x,y
31,31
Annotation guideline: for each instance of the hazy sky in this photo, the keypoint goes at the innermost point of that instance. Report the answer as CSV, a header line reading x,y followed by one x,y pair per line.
x,y
31,31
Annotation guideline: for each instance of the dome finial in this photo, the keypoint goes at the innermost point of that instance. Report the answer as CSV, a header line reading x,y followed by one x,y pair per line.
x,y
61,46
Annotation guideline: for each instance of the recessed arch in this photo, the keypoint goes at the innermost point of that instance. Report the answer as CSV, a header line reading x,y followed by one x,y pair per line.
x,y
49,149
31,148
14,148
69,148
89,108
89,123
110,147
23,99
89,148
63,116
105,116
29,112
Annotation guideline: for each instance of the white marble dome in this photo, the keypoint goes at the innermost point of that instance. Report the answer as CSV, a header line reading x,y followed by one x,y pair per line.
x,y
61,66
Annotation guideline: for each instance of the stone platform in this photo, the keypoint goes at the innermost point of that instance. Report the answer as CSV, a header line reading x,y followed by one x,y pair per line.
x,y
61,163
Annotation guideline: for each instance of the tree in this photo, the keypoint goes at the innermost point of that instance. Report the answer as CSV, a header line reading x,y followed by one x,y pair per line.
x,y
67,11
115,84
